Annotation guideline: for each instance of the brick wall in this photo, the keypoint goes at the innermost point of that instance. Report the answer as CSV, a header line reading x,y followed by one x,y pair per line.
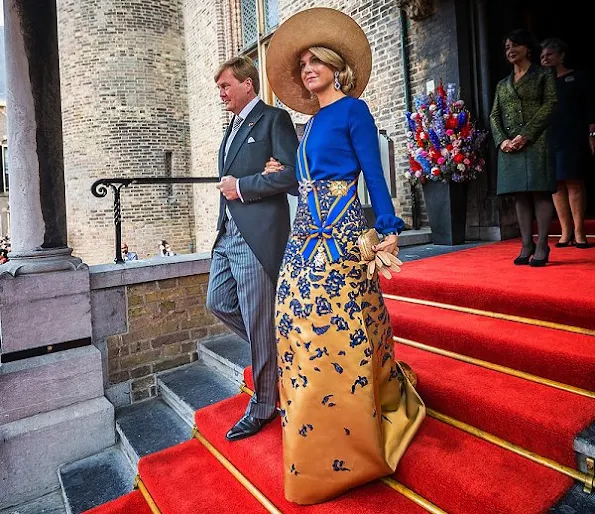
x,y
165,319
207,49
124,101
384,94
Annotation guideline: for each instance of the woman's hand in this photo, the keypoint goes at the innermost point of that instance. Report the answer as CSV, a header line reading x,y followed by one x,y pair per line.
x,y
506,146
272,166
519,142
388,244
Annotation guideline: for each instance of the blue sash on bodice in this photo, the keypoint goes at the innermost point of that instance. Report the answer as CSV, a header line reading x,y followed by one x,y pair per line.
x,y
321,230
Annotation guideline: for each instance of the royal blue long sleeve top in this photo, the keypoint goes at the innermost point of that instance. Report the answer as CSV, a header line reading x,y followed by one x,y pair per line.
x,y
343,141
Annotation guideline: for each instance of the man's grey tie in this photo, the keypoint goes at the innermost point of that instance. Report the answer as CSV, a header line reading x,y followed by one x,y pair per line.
x,y
237,121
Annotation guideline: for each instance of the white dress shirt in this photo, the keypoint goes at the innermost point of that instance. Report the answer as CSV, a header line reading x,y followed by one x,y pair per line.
x,y
243,114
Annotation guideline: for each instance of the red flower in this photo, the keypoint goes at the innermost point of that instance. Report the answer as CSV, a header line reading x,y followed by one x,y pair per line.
x,y
458,158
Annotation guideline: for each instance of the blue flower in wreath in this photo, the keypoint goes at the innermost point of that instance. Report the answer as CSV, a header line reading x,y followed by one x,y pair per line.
x,y
357,338
285,325
334,282
283,291
323,306
360,381
288,357
299,310
340,323
304,287
355,273
305,429
351,307
339,465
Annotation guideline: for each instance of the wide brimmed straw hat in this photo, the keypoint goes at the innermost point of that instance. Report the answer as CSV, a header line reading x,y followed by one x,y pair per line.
x,y
319,26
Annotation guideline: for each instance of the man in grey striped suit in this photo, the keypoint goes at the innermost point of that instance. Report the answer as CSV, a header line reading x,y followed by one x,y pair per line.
x,y
253,228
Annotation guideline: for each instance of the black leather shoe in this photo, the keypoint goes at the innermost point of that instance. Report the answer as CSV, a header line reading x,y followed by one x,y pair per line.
x,y
582,246
565,244
247,426
538,263
523,260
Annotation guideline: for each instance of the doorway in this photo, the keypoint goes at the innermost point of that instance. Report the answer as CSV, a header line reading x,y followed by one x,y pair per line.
x,y
544,18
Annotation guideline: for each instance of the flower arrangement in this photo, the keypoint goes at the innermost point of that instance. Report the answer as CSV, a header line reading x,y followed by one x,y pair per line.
x,y
443,143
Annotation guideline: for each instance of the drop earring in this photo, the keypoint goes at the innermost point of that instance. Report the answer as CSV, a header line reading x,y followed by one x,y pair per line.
x,y
337,83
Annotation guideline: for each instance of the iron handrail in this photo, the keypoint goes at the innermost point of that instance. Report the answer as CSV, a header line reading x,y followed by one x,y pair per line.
x,y
101,187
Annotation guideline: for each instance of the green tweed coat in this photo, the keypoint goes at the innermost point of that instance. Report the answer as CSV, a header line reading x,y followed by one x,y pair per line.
x,y
524,108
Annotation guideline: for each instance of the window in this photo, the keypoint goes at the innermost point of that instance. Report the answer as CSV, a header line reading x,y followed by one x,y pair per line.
x,y
260,18
4,181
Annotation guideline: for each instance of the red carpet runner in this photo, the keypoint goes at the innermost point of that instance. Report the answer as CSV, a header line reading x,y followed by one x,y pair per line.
x,y
132,503
459,472
485,278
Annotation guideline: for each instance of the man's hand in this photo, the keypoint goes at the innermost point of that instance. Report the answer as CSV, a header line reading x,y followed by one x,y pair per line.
x,y
227,186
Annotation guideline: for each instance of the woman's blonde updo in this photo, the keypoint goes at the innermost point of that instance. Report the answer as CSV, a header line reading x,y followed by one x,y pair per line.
x,y
335,61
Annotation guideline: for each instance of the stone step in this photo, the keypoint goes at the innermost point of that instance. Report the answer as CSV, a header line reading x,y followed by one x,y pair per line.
x,y
575,502
415,237
189,388
148,427
49,382
95,480
227,353
52,503
32,449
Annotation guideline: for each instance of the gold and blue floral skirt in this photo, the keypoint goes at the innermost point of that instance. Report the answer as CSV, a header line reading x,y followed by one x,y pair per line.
x,y
348,413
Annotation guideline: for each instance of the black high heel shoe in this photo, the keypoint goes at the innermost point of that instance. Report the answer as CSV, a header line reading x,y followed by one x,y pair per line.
x,y
566,244
539,263
524,260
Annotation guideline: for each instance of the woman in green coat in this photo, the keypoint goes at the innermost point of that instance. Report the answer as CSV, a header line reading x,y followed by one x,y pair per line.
x,y
520,116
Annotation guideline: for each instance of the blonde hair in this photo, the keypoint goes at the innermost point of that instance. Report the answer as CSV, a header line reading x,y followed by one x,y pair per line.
x,y
335,61
242,68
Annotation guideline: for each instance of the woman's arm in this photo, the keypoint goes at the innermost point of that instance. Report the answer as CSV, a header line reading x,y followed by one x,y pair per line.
x,y
540,121
498,133
364,138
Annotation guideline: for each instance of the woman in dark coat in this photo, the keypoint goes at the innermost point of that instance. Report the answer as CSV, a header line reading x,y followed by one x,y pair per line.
x,y
572,139
520,116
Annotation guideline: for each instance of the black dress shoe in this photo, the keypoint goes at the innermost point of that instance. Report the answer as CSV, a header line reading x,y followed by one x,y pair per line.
x,y
583,246
524,260
565,244
538,263
247,426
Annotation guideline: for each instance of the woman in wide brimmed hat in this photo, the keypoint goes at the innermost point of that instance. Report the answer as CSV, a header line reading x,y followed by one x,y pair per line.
x,y
348,410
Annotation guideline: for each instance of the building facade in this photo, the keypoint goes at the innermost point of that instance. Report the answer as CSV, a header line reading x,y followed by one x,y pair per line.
x,y
125,114
139,99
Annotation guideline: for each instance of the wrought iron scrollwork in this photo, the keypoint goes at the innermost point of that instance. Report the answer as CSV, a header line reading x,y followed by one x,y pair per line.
x,y
101,187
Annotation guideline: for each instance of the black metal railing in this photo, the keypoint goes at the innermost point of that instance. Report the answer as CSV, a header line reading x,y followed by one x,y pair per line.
x,y
101,187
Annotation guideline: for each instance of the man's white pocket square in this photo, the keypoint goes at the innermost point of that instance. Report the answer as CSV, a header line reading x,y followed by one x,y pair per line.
x,y
251,140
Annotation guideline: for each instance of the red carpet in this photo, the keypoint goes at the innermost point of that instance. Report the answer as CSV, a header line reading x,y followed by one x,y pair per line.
x,y
465,475
548,353
259,458
187,479
474,476
132,503
485,278
537,417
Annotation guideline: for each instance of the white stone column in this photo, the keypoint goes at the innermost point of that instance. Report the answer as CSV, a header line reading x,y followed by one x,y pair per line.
x,y
35,160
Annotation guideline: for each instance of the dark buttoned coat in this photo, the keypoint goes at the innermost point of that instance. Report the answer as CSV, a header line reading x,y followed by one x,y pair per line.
x,y
524,108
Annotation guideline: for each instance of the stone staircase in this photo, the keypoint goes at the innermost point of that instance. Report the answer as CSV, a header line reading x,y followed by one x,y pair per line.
x,y
165,421
155,424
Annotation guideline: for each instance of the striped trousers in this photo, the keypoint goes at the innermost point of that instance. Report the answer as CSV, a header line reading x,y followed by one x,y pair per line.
x,y
242,296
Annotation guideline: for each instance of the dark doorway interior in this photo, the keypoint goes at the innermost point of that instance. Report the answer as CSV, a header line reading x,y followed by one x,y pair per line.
x,y
566,20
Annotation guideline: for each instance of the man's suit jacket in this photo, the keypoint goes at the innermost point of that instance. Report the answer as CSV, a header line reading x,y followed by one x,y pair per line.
x,y
263,217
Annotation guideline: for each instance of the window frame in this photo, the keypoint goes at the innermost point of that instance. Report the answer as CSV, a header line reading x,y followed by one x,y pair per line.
x,y
258,50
